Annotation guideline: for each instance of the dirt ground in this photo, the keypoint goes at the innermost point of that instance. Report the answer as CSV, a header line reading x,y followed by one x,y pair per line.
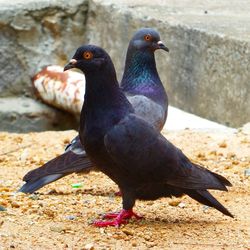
x,y
59,216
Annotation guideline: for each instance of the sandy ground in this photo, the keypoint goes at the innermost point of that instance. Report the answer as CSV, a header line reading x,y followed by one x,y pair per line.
x,y
59,216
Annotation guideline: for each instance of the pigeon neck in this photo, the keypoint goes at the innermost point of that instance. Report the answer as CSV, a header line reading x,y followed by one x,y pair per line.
x,y
104,102
101,89
141,77
140,71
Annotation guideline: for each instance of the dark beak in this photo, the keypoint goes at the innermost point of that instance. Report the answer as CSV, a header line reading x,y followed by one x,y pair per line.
x,y
70,65
160,45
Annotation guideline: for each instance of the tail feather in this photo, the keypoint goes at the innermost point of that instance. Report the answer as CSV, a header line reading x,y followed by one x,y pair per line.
x,y
195,177
66,163
222,179
204,197
32,186
63,165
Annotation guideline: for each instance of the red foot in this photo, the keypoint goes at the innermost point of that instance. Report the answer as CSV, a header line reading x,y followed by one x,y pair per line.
x,y
119,218
128,215
119,193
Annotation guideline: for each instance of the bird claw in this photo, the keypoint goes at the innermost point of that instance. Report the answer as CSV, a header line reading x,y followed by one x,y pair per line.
x,y
110,215
119,218
113,223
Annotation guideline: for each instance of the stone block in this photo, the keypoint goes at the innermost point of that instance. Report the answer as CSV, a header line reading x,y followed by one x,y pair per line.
x,y
19,114
34,34
207,71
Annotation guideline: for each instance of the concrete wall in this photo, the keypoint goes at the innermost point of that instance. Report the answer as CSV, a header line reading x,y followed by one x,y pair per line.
x,y
207,71
34,34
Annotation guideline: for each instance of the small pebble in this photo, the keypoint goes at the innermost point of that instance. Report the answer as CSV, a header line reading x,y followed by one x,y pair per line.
x,y
24,155
231,155
89,246
201,155
247,172
147,237
235,162
151,244
15,204
205,208
58,229
182,205
213,152
127,231
52,191
34,197
222,145
2,208
174,202
70,217
229,166
66,141
4,189
49,212
134,244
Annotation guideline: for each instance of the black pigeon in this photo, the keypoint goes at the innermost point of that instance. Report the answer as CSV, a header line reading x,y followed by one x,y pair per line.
x,y
142,86
143,163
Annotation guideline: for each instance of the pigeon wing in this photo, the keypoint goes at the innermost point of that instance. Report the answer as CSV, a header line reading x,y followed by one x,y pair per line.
x,y
147,156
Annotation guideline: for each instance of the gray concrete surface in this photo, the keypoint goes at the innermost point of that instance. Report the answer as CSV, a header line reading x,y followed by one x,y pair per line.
x,y
25,114
34,34
207,71
179,120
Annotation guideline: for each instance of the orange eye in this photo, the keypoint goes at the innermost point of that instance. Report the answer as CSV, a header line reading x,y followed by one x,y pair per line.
x,y
147,37
87,55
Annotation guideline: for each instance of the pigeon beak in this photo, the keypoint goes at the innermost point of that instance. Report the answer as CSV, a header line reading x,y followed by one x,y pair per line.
x,y
160,45
70,65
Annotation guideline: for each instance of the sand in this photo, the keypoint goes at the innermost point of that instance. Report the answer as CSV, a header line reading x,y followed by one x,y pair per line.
x,y
60,217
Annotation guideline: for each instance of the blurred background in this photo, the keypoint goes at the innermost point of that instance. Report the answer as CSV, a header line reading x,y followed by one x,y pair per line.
x,y
206,73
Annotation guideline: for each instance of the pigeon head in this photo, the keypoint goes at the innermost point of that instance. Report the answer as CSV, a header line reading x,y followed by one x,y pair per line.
x,y
147,39
89,58
140,74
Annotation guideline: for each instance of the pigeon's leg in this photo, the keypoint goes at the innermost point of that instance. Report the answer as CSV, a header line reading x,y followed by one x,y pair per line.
x,y
119,218
128,201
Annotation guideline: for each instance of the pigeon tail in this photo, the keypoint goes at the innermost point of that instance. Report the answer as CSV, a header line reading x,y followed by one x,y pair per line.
x,y
204,197
63,165
222,180
195,177
32,186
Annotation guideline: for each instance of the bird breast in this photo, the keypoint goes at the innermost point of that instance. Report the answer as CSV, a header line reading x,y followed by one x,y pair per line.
x,y
148,110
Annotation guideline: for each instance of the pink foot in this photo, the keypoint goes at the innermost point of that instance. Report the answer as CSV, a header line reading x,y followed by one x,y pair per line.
x,y
110,215
119,193
128,215
119,218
